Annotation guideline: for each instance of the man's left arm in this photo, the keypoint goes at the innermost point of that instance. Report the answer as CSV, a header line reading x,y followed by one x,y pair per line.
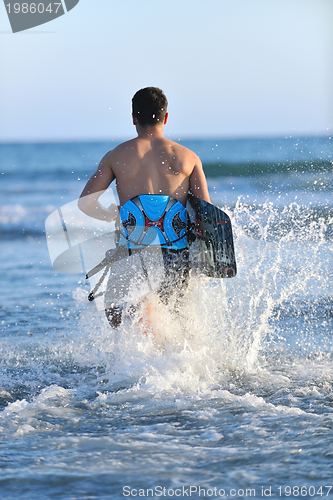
x,y
95,187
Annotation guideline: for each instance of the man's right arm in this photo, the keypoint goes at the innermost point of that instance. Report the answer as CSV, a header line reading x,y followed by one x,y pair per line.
x,y
198,182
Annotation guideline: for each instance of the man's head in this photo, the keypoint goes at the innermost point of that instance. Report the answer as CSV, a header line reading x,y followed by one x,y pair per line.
x,y
149,106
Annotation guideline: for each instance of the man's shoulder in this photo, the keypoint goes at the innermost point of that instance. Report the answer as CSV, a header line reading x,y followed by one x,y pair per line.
x,y
183,150
120,150
123,146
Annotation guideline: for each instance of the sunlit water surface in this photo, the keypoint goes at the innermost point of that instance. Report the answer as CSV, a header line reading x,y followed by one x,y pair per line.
x,y
234,395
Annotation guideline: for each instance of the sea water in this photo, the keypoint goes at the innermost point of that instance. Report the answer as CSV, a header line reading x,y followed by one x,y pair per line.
x,y
232,398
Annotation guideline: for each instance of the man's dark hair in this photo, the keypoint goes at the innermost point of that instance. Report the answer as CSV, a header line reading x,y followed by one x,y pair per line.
x,y
149,106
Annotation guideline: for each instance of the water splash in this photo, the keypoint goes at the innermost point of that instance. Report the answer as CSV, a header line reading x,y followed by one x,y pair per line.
x,y
226,328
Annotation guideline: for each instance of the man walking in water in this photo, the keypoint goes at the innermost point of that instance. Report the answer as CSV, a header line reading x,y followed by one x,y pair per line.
x,y
153,178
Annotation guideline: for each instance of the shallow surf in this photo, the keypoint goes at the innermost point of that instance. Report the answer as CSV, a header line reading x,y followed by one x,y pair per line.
x,y
233,395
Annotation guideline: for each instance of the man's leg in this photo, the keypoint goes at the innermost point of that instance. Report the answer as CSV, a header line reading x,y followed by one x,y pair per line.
x,y
145,321
114,315
177,271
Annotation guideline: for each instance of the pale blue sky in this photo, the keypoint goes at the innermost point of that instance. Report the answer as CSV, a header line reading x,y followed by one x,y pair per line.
x,y
230,68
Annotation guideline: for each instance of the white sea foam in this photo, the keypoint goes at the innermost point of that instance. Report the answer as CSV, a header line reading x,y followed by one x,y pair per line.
x,y
224,326
45,400
235,391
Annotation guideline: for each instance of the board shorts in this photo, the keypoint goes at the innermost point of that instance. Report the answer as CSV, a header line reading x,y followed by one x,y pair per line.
x,y
155,220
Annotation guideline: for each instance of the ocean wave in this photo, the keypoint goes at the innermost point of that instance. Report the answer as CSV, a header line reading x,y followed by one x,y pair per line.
x,y
294,222
258,168
17,221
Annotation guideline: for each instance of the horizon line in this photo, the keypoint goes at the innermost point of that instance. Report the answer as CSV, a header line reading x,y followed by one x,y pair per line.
x,y
181,138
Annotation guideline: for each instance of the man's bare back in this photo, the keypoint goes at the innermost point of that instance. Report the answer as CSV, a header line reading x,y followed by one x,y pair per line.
x,y
148,164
